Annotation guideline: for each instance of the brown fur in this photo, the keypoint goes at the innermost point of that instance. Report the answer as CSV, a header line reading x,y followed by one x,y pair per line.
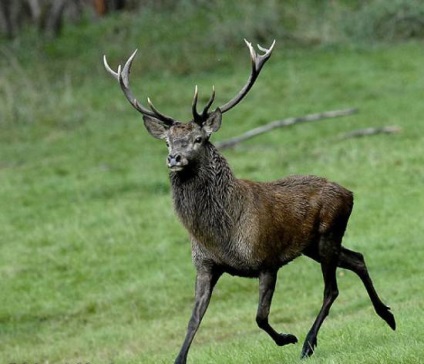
x,y
251,229
261,225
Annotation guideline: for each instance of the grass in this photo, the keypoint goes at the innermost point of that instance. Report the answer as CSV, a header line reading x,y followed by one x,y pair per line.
x,y
95,267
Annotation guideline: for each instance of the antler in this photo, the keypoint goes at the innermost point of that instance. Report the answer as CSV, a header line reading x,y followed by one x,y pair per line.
x,y
200,118
122,76
257,63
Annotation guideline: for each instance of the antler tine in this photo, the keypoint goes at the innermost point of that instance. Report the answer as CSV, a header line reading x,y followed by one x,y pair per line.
x,y
200,118
123,78
210,102
258,62
114,74
167,119
196,116
124,81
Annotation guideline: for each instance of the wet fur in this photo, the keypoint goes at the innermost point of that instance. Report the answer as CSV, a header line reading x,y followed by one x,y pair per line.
x,y
252,229
229,219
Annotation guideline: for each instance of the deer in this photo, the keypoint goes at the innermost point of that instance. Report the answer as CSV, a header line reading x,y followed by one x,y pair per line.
x,y
246,228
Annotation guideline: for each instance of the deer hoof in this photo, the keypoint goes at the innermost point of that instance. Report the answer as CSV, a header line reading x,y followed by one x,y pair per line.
x,y
308,347
284,339
387,316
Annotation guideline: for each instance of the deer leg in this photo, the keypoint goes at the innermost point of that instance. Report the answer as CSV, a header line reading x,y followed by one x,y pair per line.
x,y
267,282
205,282
327,255
355,262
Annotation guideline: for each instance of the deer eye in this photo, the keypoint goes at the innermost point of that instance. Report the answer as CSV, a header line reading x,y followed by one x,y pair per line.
x,y
198,140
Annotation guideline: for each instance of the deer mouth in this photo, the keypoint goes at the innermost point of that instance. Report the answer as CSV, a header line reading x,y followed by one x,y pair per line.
x,y
177,165
176,168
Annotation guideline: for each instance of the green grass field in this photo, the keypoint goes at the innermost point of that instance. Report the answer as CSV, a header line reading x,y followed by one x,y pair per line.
x,y
94,266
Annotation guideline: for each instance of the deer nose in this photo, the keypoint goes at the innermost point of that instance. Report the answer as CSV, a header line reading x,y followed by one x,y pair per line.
x,y
173,159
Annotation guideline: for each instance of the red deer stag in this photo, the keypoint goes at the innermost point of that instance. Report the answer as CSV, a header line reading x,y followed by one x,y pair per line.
x,y
247,228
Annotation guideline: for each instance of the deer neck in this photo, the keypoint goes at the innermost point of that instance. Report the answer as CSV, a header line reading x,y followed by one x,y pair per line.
x,y
204,196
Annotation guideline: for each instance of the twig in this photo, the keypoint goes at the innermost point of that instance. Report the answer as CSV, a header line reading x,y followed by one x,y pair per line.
x,y
283,123
371,131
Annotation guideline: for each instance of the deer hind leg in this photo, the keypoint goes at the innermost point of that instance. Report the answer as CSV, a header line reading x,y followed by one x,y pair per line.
x,y
355,262
327,254
267,282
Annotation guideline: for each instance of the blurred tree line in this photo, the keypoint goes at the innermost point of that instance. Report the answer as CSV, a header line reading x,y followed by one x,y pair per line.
x,y
352,19
48,16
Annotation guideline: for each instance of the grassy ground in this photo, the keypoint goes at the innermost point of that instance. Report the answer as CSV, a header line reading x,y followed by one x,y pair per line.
x,y
94,266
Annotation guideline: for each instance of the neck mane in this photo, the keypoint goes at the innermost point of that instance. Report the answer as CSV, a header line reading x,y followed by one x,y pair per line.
x,y
203,196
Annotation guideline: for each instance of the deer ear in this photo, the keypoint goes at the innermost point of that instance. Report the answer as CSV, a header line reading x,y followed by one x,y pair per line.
x,y
213,122
155,127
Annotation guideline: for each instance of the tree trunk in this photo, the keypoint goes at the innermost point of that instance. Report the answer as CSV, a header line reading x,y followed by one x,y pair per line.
x,y
6,20
51,21
100,6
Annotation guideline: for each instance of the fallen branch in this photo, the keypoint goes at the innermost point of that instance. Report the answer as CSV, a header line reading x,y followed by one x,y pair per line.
x,y
371,131
229,143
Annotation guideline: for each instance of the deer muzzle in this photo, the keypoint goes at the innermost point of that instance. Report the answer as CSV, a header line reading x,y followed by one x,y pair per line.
x,y
176,162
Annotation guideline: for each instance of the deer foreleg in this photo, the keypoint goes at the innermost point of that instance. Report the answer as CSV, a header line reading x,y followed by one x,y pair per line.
x,y
205,282
267,282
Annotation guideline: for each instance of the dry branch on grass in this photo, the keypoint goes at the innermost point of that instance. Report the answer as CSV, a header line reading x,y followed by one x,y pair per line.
x,y
229,143
371,131
283,123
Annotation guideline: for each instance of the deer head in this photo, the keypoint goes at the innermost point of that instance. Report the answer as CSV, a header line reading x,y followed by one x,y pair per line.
x,y
185,141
